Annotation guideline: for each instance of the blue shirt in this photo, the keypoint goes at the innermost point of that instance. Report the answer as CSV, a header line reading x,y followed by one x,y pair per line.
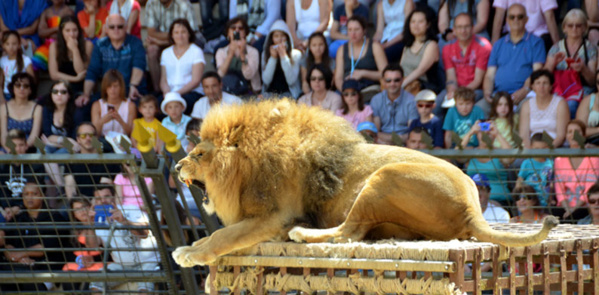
x,y
514,61
497,175
395,115
536,174
462,124
104,57
178,129
341,16
434,128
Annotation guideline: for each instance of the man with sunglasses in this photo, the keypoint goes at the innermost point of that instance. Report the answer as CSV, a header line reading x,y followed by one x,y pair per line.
x,y
513,58
393,109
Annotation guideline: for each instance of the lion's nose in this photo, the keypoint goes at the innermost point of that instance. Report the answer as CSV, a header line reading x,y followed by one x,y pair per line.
x,y
178,167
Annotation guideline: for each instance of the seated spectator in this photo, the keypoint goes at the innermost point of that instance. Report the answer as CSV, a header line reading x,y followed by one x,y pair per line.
x,y
368,130
394,108
465,60
502,114
13,61
390,21
212,25
130,10
160,17
319,78
148,108
421,52
573,177
127,191
512,60
119,51
193,128
462,117
588,112
491,211
48,30
182,64
21,112
173,107
15,17
340,16
540,20
573,61
92,19
425,102
530,209
477,10
238,63
593,204
544,111
281,63
214,95
260,17
415,138
70,54
114,113
360,58
537,172
305,17
353,109
316,53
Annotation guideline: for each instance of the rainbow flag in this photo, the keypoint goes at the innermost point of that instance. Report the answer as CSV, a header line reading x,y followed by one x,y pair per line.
x,y
40,57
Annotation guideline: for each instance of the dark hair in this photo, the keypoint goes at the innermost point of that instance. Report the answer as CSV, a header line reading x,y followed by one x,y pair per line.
x,y
185,23
194,125
211,74
510,115
362,21
16,134
464,93
393,67
537,137
62,55
235,20
540,73
67,120
326,73
580,124
431,30
86,123
326,59
149,98
103,186
18,77
360,102
593,189
418,130
20,62
528,191
268,43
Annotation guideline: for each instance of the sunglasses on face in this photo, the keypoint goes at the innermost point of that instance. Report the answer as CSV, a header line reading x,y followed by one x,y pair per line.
x,y
396,80
237,28
523,197
349,93
316,78
516,16
21,85
85,135
425,105
592,201
577,26
59,91
120,27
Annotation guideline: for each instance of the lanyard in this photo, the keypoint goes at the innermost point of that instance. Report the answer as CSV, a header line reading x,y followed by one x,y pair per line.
x,y
353,65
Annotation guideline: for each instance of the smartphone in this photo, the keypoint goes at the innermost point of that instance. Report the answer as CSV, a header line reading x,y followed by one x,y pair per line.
x,y
102,213
485,126
110,108
236,35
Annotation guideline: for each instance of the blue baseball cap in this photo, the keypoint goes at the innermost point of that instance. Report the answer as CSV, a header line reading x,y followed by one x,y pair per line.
x,y
481,180
367,125
350,84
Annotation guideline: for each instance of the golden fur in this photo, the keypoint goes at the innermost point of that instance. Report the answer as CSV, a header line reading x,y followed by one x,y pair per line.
x,y
275,170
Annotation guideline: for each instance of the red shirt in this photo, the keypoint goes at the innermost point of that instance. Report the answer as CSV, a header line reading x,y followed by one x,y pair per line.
x,y
477,56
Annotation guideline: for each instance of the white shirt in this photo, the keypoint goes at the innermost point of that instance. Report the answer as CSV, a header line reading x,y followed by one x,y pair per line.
x,y
178,70
9,67
202,106
496,214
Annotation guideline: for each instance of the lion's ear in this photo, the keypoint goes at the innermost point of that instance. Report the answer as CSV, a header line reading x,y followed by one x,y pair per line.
x,y
235,134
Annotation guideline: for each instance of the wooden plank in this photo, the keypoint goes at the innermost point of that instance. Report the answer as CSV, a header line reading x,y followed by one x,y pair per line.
x,y
512,268
546,269
213,272
529,270
283,272
477,272
563,268
236,272
580,277
457,277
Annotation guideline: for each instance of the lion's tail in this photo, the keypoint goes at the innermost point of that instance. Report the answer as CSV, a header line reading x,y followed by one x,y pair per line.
x,y
484,233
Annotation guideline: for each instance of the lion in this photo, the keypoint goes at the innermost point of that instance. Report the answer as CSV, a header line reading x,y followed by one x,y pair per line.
x,y
274,171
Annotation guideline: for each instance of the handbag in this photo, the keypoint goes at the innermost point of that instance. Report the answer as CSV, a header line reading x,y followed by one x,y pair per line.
x,y
234,83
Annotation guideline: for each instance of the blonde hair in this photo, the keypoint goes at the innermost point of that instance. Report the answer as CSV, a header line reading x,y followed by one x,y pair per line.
x,y
576,14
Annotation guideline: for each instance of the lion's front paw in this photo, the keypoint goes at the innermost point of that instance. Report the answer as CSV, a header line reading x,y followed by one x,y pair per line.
x,y
296,234
190,256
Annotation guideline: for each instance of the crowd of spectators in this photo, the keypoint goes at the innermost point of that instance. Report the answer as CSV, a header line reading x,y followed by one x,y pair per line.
x,y
456,74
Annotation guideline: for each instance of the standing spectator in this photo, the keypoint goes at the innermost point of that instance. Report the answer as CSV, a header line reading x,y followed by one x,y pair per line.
x,y
465,60
70,54
281,63
530,209
182,64
316,53
462,117
540,20
477,10
425,102
15,17
319,78
261,14
130,10
354,110
21,112
360,58
173,107
214,95
13,62
394,108
513,58
340,16
573,61
491,212
305,17
544,111
160,15
238,63
390,23
114,113
92,19
48,30
119,51
588,112
421,52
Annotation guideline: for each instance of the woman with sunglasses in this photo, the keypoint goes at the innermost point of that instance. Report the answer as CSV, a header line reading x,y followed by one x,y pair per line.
x,y
320,79
573,61
593,203
22,112
588,112
354,110
529,206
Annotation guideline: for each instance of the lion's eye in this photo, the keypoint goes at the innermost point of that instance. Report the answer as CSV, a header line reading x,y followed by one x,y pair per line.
x,y
236,145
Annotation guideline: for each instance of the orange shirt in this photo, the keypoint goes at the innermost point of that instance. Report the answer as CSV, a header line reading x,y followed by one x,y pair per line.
x,y
101,15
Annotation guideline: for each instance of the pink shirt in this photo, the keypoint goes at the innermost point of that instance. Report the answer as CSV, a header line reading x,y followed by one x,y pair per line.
x,y
534,9
465,65
131,194
571,185
357,117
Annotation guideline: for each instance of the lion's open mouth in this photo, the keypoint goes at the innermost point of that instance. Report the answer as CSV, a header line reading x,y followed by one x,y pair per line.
x,y
189,182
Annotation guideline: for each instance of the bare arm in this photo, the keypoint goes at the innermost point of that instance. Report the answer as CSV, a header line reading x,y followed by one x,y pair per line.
x,y
524,124
479,75
53,66
292,22
70,188
489,83
36,130
551,25
305,84
132,20
443,18
42,29
497,24
338,67
582,114
381,62
482,16
158,38
431,55
163,81
90,30
97,120
380,23
3,122
592,10
30,30
335,34
325,14
196,77
563,116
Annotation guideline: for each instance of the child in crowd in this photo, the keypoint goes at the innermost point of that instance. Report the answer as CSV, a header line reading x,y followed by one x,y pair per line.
x,y
148,106
369,130
425,102
502,113
537,172
462,116
127,190
193,128
354,110
13,61
173,106
317,53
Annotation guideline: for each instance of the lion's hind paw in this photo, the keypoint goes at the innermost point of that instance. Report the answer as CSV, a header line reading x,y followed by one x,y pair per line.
x,y
296,234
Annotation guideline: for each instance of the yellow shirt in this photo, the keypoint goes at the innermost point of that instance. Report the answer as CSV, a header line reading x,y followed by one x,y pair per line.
x,y
151,127
504,128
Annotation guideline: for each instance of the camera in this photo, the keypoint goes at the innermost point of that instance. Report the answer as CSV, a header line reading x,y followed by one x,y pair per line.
x,y
102,213
110,107
485,126
236,35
